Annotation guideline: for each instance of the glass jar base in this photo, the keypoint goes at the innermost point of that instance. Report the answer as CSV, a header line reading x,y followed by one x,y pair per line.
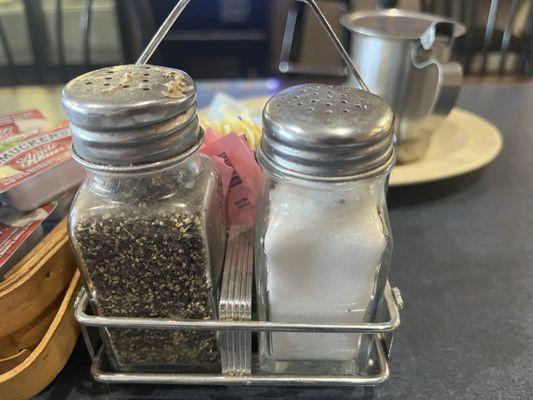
x,y
315,367
184,368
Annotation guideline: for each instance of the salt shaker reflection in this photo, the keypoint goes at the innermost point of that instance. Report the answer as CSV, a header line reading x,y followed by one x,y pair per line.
x,y
323,238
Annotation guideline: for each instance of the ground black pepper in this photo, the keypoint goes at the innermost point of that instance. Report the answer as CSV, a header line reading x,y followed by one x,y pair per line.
x,y
150,264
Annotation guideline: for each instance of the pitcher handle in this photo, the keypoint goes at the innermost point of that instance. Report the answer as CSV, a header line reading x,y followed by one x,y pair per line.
x,y
449,75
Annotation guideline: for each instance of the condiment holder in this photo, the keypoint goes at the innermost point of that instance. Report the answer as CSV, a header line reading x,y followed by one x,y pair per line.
x,y
374,156
381,332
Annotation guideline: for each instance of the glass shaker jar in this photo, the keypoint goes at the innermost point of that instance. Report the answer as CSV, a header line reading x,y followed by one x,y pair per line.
x,y
147,226
323,240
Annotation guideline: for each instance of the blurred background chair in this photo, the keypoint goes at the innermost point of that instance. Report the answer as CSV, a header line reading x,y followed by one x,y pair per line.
x,y
498,41
218,38
51,41
305,47
499,37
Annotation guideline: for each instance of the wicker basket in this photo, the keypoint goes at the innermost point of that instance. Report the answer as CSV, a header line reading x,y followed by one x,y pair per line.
x,y
37,329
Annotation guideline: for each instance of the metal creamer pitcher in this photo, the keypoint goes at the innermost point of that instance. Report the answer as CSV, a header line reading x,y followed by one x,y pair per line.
x,y
404,57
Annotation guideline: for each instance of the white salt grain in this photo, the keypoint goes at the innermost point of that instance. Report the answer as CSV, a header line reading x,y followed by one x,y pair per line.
x,y
322,251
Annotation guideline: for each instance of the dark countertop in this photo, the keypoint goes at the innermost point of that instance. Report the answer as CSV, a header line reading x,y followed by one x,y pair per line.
x,y
463,259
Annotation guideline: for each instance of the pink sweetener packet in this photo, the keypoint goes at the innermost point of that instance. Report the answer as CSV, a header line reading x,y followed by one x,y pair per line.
x,y
226,172
210,136
246,178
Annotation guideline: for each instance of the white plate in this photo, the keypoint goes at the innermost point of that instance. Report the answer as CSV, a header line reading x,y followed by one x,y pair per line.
x,y
464,143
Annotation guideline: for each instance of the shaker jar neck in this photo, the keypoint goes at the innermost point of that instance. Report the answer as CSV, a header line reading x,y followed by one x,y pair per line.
x,y
346,198
372,182
290,192
370,191
153,183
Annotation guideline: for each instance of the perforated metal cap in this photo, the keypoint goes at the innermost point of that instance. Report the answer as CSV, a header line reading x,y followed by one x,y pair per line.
x,y
324,132
132,114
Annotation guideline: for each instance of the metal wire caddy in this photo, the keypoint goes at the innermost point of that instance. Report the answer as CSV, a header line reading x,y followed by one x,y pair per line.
x,y
382,333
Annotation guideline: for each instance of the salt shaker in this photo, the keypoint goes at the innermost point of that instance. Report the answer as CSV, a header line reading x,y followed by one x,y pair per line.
x,y
147,226
323,240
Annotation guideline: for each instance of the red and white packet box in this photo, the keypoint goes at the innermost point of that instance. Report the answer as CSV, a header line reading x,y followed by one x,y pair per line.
x,y
25,122
38,168
19,233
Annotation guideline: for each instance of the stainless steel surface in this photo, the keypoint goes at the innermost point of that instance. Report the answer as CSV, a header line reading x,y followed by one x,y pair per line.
x,y
162,31
404,58
342,52
236,301
181,4
125,96
288,66
127,115
256,326
395,24
91,338
102,373
327,133
141,167
257,378
297,31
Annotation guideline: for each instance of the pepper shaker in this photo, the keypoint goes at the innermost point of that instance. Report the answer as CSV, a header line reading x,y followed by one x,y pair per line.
x,y
147,226
323,240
